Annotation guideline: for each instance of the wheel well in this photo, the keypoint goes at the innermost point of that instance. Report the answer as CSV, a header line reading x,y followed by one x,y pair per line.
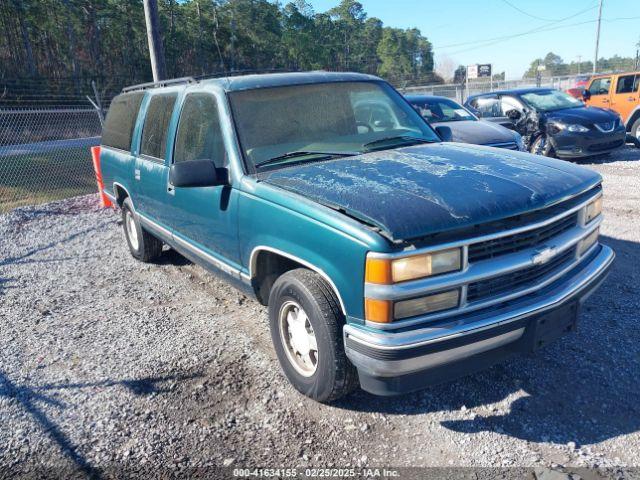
x,y
633,119
121,194
267,268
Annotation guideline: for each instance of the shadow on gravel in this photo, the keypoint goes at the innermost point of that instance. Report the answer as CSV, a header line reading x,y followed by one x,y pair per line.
x,y
5,282
584,388
29,396
625,154
171,257
21,258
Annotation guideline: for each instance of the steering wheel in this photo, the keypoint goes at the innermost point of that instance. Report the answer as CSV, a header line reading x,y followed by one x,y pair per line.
x,y
365,125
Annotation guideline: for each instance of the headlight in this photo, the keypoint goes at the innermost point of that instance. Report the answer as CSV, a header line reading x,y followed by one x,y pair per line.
x,y
592,210
386,311
556,127
577,128
387,271
587,242
428,304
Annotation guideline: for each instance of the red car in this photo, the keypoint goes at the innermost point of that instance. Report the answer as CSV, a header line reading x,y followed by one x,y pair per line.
x,y
579,86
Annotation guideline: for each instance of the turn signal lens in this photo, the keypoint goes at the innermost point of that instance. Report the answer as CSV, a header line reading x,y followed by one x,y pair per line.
x,y
592,210
387,271
428,304
377,310
587,242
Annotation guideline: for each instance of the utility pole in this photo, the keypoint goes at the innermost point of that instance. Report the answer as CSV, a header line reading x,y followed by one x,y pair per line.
x,y
595,59
156,52
579,63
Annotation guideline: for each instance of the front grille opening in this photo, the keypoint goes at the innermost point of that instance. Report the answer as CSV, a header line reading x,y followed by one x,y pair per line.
x,y
520,241
514,281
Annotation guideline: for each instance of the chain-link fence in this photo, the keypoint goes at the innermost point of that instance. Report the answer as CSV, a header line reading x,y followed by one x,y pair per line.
x,y
45,154
460,91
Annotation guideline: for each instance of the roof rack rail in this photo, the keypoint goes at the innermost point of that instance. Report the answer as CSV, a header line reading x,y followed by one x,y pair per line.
x,y
161,83
239,73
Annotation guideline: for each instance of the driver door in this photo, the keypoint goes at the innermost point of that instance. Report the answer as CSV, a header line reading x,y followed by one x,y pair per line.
x,y
204,219
599,90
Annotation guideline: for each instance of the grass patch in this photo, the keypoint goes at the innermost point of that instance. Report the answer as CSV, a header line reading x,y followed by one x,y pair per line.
x,y
43,177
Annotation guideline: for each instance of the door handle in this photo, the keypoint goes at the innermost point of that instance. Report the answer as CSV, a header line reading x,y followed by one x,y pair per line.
x,y
171,190
136,174
631,99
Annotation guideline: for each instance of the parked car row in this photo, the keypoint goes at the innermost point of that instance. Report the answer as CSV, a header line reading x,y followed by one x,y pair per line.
x,y
544,120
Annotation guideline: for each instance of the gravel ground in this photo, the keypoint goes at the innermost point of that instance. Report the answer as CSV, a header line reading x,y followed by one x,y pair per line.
x,y
106,362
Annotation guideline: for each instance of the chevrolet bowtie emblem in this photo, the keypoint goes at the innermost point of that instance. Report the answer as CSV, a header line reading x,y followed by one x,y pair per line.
x,y
543,255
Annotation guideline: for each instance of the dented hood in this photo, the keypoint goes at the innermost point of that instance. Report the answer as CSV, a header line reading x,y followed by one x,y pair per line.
x,y
416,191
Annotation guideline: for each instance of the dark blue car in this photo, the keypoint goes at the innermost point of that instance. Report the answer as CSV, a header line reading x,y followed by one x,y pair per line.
x,y
551,122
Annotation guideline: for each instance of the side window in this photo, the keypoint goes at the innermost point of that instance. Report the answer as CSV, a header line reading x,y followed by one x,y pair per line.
x,y
509,103
199,136
600,86
488,107
156,124
627,84
121,120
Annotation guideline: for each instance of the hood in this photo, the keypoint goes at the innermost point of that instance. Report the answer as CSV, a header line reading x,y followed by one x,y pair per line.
x,y
582,115
478,132
416,191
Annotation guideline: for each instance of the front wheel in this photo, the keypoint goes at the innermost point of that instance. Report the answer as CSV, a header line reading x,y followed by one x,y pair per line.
x,y
306,328
635,129
542,146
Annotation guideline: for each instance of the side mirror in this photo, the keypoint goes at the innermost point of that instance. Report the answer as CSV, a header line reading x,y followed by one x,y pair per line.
x,y
586,95
514,114
445,133
197,173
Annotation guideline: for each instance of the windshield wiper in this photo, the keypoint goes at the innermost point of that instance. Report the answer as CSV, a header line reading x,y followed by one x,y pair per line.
x,y
405,140
304,153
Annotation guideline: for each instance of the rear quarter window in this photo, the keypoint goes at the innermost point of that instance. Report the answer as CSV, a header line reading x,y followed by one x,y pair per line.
x,y
120,121
156,124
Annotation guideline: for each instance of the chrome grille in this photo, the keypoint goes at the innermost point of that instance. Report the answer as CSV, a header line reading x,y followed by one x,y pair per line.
x,y
520,241
519,279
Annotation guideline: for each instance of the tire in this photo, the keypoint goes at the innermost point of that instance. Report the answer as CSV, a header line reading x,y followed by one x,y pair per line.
x,y
333,375
142,245
542,146
635,129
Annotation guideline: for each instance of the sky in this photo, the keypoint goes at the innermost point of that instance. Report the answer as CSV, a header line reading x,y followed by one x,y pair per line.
x,y
462,30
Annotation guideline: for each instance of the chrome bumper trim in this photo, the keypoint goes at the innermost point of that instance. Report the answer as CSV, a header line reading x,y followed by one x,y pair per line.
x,y
393,368
455,327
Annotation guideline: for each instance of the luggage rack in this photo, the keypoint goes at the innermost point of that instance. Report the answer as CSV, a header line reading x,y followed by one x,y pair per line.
x,y
198,78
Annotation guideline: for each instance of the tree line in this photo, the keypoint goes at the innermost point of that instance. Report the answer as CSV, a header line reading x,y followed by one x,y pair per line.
x,y
555,66
68,41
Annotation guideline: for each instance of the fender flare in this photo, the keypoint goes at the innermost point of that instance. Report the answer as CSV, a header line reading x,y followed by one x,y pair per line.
x,y
264,248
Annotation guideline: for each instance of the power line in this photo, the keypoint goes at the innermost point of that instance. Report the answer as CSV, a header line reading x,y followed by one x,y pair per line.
x,y
540,30
528,14
507,37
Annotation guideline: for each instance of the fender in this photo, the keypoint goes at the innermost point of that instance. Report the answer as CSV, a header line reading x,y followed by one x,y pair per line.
x,y
254,258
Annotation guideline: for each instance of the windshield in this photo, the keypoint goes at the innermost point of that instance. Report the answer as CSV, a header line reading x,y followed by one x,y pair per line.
x,y
441,110
549,100
276,125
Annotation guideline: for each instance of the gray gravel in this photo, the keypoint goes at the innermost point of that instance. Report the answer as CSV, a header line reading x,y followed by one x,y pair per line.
x,y
106,362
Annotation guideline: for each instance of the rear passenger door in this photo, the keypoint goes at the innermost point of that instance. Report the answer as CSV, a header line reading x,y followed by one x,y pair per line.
x,y
599,90
204,219
151,169
624,97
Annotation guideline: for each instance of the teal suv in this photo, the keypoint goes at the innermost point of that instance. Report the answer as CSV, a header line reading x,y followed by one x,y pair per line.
x,y
388,258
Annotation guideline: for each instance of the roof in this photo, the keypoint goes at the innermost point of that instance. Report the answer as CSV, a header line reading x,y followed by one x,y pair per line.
x,y
514,91
418,96
248,82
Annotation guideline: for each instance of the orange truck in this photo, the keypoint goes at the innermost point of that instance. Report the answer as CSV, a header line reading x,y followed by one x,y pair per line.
x,y
619,92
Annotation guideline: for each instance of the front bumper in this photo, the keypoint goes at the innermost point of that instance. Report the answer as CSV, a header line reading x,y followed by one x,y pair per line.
x,y
570,145
396,362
